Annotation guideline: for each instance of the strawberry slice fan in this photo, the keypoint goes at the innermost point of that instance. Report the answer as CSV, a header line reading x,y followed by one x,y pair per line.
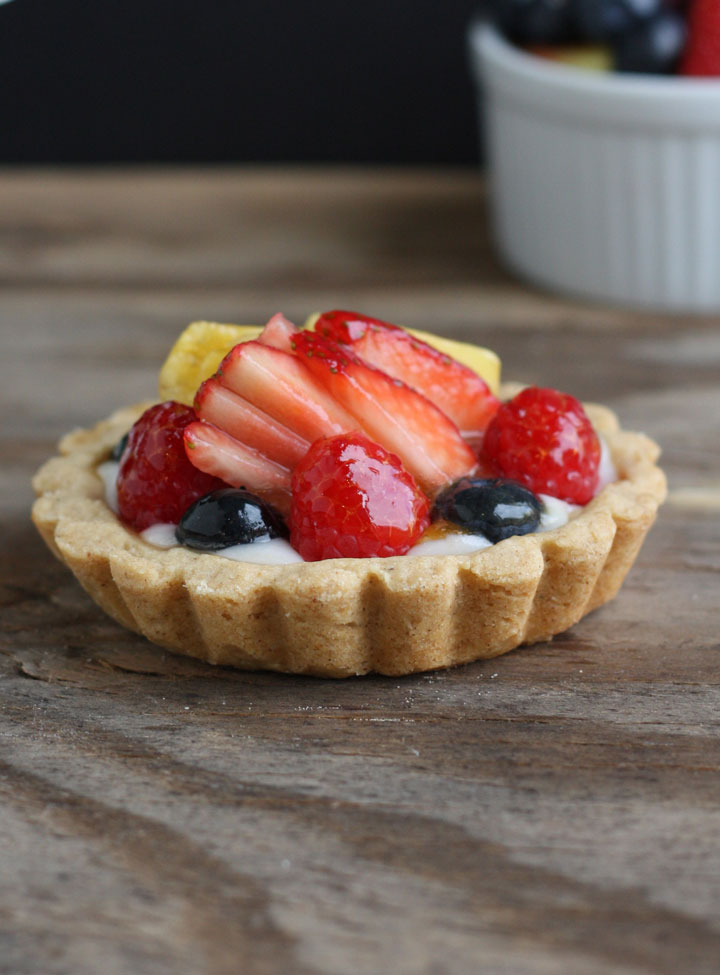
x,y
273,397
458,391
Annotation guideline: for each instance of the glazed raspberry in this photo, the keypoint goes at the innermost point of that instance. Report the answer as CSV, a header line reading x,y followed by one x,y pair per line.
x,y
544,439
351,498
156,482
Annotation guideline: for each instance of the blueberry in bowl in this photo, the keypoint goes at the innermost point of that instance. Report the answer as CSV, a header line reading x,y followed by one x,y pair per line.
x,y
642,36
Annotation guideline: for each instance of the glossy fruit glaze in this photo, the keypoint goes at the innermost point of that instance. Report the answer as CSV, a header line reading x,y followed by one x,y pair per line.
x,y
156,481
544,439
457,390
351,498
229,517
492,507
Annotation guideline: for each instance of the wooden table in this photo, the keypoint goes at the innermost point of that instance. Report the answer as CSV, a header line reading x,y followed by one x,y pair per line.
x,y
556,810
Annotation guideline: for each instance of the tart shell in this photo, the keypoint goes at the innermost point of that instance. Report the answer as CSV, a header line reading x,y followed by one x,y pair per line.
x,y
346,617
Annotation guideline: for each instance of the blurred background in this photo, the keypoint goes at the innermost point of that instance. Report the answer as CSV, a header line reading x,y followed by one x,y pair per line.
x,y
225,80
602,163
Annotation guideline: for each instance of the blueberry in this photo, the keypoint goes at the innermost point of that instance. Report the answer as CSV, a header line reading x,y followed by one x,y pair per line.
x,y
599,20
532,21
117,451
652,47
230,516
496,508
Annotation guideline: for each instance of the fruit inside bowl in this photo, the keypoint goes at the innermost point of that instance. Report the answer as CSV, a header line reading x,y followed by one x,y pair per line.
x,y
376,505
640,36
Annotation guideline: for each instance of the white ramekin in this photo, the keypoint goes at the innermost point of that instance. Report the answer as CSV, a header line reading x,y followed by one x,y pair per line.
x,y
603,185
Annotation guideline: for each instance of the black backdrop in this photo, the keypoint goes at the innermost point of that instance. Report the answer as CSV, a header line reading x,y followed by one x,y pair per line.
x,y
248,80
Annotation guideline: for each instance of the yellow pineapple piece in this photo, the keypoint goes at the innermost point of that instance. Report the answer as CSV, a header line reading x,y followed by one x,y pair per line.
x,y
200,349
196,355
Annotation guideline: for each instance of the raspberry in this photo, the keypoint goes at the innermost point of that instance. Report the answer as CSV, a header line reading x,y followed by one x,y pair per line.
x,y
544,440
351,498
156,482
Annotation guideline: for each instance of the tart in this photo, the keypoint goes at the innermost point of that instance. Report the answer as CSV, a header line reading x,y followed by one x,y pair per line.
x,y
337,617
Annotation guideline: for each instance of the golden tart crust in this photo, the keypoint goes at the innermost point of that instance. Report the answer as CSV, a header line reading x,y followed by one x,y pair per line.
x,y
345,617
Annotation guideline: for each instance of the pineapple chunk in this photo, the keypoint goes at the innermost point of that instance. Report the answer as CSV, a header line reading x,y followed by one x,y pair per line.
x,y
196,355
200,349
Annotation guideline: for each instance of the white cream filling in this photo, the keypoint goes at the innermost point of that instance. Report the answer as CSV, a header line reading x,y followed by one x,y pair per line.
x,y
277,551
265,551
556,513
161,535
455,543
607,473
108,471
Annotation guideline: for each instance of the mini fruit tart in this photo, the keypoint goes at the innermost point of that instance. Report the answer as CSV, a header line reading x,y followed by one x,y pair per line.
x,y
347,498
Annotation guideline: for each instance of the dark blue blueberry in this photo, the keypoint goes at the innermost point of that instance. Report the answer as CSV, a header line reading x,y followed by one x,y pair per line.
x,y
532,21
230,516
496,508
600,20
117,451
652,47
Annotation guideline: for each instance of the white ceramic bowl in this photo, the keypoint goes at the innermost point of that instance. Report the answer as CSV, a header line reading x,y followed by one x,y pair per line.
x,y
603,185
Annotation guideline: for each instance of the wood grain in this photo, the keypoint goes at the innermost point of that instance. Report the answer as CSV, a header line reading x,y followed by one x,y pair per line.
x,y
555,810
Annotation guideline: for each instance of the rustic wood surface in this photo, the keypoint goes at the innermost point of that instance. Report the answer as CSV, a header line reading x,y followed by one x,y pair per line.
x,y
555,811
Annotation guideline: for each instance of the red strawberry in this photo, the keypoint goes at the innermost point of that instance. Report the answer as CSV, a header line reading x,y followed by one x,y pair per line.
x,y
702,52
156,482
545,440
244,421
456,389
279,333
351,498
216,452
280,385
394,415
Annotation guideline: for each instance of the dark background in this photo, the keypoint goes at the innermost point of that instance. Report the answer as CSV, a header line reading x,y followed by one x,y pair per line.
x,y
236,80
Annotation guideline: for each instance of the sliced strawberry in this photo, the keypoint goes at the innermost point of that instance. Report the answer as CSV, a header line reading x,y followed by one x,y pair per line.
x,y
245,422
391,413
215,452
456,389
280,385
279,333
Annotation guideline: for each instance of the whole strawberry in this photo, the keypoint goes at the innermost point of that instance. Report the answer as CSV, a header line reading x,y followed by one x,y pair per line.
x,y
702,52
156,481
351,498
544,439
